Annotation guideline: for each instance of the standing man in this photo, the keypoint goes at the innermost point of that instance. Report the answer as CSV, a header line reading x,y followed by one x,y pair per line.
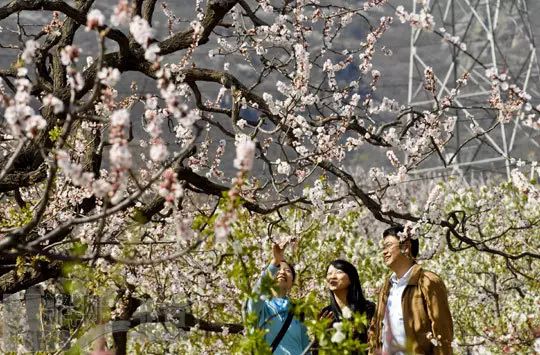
x,y
412,313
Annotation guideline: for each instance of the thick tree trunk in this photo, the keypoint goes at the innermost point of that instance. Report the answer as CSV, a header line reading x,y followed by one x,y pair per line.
x,y
11,283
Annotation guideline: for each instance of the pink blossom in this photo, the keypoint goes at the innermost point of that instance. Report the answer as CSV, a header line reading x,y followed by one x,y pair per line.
x,y
94,19
21,72
520,181
303,67
169,187
214,168
265,5
70,54
369,46
75,79
15,115
284,239
54,102
34,124
120,118
21,117
271,104
121,13
316,194
119,154
423,20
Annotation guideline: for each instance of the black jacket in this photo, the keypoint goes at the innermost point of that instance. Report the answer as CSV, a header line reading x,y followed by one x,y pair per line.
x,y
370,312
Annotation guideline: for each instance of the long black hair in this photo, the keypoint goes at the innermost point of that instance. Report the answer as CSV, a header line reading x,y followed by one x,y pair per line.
x,y
355,296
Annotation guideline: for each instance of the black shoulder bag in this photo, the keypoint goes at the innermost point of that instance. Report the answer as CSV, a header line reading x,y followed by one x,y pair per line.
x,y
282,331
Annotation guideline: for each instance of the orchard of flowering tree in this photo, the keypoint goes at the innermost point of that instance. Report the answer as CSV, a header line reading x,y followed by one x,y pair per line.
x,y
152,152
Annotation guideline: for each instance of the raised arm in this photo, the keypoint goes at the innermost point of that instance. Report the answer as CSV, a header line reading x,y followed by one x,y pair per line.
x,y
255,304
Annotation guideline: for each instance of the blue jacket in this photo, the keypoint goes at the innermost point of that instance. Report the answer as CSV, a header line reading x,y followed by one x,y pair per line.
x,y
272,313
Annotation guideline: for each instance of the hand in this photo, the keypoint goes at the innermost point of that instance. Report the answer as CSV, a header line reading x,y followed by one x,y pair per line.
x,y
277,254
326,315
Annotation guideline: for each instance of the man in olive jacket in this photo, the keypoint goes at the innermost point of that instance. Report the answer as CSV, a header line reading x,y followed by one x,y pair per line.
x,y
412,313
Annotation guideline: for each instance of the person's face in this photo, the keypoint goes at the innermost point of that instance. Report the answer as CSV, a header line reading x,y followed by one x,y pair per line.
x,y
391,250
284,276
337,279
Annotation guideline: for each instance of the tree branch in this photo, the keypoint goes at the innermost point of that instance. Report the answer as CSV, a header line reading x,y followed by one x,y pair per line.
x,y
148,10
183,320
13,282
60,6
215,11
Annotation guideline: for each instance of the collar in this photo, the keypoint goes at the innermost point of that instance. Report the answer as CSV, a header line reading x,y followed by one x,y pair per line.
x,y
280,305
416,271
405,279
281,301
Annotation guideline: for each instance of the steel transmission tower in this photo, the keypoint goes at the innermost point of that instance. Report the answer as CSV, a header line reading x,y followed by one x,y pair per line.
x,y
497,34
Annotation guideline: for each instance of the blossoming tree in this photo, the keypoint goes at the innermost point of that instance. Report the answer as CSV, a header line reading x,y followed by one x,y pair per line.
x,y
158,204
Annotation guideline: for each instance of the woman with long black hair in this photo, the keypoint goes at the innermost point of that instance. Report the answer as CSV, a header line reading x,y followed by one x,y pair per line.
x,y
346,296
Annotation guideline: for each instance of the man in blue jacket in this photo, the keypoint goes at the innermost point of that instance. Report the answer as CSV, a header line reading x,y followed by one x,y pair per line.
x,y
286,335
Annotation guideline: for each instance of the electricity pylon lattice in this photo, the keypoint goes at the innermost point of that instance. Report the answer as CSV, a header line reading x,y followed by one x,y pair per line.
x,y
497,34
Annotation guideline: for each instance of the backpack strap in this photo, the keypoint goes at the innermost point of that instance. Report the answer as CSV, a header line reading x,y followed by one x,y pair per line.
x,y
282,331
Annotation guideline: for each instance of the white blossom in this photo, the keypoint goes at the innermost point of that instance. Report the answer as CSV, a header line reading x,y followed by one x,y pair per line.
x,y
121,13
338,336
241,123
120,156
346,312
283,167
29,51
101,188
141,31
151,52
158,152
245,153
109,76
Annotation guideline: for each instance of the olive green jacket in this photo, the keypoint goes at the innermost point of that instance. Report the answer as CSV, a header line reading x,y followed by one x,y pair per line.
x,y
425,310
